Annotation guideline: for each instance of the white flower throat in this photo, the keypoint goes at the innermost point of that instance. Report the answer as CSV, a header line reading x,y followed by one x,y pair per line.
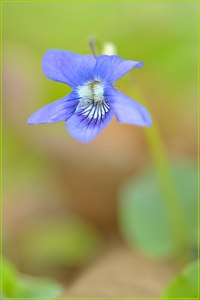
x,y
92,104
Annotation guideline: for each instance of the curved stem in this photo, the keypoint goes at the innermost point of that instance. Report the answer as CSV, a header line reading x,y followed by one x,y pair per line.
x,y
168,187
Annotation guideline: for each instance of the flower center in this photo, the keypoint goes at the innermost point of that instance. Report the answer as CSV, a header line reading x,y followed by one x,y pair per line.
x,y
92,92
92,104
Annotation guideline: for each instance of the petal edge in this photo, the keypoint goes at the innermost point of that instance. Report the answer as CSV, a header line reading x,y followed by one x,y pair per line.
x,y
56,111
70,68
127,110
110,68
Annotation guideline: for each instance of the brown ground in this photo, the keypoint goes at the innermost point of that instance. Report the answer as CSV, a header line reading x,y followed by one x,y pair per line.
x,y
121,273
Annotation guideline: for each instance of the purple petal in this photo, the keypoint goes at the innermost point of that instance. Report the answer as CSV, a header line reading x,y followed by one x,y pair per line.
x,y
127,110
57,111
70,68
85,130
111,67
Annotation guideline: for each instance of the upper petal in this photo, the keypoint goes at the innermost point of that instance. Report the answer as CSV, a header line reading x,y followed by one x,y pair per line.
x,y
85,127
70,68
127,110
56,111
111,67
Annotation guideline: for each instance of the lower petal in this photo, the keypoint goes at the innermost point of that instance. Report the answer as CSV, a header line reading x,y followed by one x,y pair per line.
x,y
85,130
59,110
127,110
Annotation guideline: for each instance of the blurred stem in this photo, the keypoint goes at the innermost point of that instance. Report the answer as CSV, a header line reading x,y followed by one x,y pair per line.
x,y
92,45
168,187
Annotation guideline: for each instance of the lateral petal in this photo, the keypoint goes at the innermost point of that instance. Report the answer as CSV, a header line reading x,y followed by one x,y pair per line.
x,y
127,110
56,111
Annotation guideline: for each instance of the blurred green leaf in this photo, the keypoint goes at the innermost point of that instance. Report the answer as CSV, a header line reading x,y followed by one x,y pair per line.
x,y
184,285
36,288
57,242
9,278
143,219
16,285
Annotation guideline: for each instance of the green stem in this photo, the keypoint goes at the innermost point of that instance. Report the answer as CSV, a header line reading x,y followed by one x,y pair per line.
x,y
92,45
168,187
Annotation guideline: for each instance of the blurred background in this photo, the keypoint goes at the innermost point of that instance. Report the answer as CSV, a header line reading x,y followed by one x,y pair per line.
x,y
121,211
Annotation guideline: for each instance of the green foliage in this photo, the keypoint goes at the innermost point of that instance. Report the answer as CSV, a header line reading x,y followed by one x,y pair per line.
x,y
143,218
57,242
9,279
167,48
16,285
36,288
185,284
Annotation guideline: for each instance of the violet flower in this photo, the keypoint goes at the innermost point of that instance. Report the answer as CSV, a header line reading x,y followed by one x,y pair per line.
x,y
93,101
